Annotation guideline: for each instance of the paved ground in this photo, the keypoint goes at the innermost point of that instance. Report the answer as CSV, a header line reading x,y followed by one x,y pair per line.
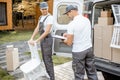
x,y
64,72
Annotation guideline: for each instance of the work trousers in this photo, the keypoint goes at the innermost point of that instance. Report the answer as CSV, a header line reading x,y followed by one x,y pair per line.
x,y
46,49
84,61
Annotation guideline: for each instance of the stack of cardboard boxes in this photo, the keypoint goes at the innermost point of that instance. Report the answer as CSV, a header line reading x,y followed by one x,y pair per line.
x,y
102,35
102,38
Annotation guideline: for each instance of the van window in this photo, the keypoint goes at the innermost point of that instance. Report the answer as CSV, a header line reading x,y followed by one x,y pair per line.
x,y
96,15
87,7
62,19
3,15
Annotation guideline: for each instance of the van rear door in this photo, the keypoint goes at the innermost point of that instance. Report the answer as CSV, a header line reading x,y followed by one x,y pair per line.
x,y
61,21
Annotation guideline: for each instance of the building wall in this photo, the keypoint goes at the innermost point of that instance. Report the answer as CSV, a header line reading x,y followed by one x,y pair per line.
x,y
9,15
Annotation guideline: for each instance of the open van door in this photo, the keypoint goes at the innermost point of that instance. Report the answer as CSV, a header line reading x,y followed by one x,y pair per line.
x,y
61,21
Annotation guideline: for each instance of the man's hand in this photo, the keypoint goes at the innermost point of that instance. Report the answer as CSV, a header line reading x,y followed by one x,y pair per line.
x,y
65,34
31,42
69,39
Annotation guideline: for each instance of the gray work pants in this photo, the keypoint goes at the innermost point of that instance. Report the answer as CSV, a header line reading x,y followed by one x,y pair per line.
x,y
84,61
46,49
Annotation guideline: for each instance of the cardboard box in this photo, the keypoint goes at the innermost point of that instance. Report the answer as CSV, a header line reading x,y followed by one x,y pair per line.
x,y
98,40
102,40
107,36
105,21
98,47
105,13
116,55
12,58
98,31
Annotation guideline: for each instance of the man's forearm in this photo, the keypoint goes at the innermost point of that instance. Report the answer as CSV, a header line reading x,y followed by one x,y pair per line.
x,y
34,33
69,39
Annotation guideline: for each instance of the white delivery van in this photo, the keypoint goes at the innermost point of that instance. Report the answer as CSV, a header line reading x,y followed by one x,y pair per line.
x,y
107,58
61,21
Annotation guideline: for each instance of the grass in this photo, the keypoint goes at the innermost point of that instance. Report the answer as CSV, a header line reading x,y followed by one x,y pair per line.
x,y
57,60
5,76
12,36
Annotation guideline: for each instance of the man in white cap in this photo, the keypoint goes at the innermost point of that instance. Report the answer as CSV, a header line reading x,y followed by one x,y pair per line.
x,y
79,37
44,27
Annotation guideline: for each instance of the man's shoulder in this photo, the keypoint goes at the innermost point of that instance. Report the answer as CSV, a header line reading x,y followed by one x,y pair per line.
x,y
50,17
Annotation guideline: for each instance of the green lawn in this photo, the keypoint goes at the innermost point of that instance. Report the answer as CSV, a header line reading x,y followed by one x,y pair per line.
x,y
57,60
12,36
5,76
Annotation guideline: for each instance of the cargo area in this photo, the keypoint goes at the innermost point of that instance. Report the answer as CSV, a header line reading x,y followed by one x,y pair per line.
x,y
107,57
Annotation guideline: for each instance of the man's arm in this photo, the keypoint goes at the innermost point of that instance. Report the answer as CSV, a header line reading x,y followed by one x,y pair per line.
x,y
69,40
47,31
35,32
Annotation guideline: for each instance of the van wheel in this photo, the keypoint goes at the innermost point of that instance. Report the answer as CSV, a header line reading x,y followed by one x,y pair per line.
x,y
108,76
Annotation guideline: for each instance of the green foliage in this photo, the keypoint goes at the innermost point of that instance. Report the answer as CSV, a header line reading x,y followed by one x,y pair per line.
x,y
5,76
2,73
12,36
8,77
57,60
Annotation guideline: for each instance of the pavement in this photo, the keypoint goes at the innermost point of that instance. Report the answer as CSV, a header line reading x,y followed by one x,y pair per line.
x,y
65,72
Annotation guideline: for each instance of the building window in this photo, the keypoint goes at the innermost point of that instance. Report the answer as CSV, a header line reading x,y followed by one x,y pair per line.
x,y
3,13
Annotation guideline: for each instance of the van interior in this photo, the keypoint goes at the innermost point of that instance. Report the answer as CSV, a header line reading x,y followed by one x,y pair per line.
x,y
102,6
